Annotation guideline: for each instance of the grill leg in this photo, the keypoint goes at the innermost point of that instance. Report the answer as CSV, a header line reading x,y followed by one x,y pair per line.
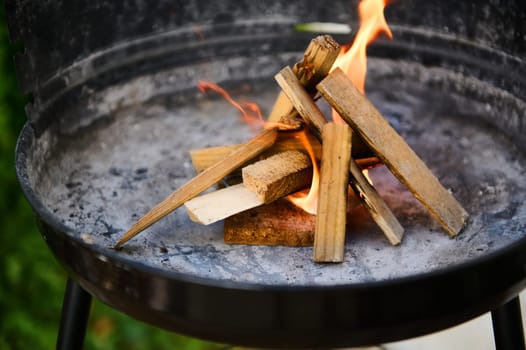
x,y
74,319
507,326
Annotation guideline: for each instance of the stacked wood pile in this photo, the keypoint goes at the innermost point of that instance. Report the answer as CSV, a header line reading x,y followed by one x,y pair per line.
x,y
273,165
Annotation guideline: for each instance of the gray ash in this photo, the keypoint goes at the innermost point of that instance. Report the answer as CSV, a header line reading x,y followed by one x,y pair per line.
x,y
109,174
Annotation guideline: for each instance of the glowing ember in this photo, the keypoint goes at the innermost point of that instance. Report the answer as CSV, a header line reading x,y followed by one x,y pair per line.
x,y
308,199
250,112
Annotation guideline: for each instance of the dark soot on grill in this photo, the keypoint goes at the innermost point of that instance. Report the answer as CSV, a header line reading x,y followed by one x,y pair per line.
x,y
103,177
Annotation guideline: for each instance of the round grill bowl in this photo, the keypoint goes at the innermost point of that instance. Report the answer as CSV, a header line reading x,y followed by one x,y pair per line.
x,y
113,120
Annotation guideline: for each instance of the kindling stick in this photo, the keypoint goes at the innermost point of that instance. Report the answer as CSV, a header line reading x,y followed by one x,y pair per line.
x,y
218,205
394,152
203,181
331,216
380,212
316,64
263,182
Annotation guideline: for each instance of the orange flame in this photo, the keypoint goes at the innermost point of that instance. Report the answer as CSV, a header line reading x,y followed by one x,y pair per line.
x,y
250,112
307,199
353,59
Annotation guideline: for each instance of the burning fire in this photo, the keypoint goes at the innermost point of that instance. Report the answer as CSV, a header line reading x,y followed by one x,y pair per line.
x,y
308,199
352,60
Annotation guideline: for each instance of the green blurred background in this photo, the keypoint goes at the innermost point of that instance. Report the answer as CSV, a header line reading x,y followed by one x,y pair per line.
x,y
31,281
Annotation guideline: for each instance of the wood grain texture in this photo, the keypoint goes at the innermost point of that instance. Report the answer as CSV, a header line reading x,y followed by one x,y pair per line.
x,y
393,151
329,237
301,100
203,181
379,211
277,223
279,175
316,64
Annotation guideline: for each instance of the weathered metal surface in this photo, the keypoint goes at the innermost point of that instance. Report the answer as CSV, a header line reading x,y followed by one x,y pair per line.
x,y
106,176
108,137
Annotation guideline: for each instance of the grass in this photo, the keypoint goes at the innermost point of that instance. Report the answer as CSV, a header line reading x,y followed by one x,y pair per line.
x,y
31,281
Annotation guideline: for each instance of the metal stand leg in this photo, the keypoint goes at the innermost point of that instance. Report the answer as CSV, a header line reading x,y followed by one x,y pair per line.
x,y
507,326
75,313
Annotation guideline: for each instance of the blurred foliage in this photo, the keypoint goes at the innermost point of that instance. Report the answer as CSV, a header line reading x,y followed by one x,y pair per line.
x,y
31,281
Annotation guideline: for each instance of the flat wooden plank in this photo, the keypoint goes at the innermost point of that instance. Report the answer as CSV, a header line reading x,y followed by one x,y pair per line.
x,y
380,212
218,205
331,217
279,175
393,151
301,100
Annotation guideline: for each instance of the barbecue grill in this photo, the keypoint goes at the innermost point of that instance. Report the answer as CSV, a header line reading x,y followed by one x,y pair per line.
x,y
115,110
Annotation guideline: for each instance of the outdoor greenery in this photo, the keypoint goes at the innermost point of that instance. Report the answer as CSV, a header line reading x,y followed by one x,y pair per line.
x,y
31,281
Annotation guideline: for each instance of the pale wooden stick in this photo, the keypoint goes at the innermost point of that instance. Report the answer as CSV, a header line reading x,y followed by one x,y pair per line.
x,y
394,152
329,237
376,206
203,181
301,100
218,205
203,158
380,212
264,182
316,64
279,175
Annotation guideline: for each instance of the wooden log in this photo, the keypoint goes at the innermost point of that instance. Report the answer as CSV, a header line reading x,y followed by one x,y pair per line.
x,y
376,206
203,181
277,223
316,64
218,205
394,152
203,158
329,237
279,175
